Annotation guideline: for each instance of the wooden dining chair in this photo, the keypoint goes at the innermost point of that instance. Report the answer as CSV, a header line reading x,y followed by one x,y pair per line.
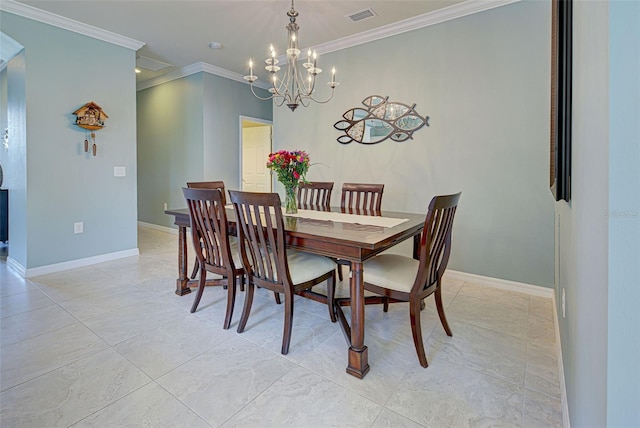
x,y
206,185
315,195
359,198
399,278
214,251
269,263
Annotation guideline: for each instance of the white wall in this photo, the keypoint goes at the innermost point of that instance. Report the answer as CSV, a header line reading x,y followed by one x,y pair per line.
x,y
484,81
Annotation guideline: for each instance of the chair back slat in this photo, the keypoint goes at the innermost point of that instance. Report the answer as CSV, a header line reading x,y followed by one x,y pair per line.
x,y
209,226
435,243
357,197
261,236
315,195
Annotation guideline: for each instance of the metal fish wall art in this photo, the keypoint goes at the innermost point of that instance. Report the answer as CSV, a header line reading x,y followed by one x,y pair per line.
x,y
379,120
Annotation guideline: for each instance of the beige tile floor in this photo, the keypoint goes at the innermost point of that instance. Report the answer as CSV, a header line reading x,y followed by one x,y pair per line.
x,y
111,345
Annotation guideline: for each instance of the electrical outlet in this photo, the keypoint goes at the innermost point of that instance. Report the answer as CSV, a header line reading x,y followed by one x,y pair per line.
x,y
78,227
165,206
564,303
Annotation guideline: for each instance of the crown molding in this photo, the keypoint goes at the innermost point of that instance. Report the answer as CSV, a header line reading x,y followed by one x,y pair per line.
x,y
8,49
69,24
193,69
459,10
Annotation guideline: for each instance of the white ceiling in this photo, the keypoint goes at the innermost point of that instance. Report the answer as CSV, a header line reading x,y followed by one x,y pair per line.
x,y
178,32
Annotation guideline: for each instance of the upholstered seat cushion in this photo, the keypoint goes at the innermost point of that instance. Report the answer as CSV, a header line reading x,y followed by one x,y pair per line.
x,y
391,271
304,267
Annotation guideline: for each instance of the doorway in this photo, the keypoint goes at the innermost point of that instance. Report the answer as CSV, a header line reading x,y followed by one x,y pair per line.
x,y
255,146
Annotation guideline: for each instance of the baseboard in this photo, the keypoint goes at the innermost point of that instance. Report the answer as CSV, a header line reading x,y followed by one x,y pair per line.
x,y
16,267
73,264
566,423
157,227
503,284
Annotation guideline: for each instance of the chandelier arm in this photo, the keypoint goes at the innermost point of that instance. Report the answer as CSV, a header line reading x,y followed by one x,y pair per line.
x,y
294,88
279,100
258,96
322,102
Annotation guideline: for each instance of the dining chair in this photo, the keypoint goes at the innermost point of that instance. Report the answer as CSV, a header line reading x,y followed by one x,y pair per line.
x,y
399,278
214,251
269,263
206,185
359,198
315,195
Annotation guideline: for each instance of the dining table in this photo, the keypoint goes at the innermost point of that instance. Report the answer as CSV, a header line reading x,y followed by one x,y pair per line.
x,y
353,236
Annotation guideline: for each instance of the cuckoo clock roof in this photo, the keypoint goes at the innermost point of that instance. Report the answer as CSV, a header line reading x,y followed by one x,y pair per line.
x,y
81,110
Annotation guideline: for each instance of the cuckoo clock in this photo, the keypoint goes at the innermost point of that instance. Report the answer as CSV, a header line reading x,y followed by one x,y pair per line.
x,y
90,117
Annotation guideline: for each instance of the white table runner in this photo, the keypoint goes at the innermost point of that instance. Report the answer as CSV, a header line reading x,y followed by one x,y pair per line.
x,y
349,218
368,220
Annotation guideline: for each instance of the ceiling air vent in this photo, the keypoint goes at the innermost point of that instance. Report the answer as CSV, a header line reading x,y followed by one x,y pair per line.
x,y
151,64
363,14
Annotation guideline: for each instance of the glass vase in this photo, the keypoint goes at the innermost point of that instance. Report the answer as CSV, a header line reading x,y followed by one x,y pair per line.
x,y
290,200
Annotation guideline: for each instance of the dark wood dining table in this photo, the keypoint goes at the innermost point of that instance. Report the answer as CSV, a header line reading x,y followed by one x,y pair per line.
x,y
347,241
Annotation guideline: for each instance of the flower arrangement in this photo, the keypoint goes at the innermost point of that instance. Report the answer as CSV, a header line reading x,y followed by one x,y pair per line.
x,y
291,168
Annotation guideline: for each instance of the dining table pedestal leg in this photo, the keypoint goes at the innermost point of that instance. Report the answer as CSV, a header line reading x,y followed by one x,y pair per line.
x,y
358,353
182,283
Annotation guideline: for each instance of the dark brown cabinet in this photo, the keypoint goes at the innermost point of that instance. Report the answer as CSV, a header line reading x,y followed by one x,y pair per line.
x,y
4,215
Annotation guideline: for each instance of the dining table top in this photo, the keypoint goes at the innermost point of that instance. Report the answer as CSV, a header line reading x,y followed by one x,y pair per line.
x,y
364,239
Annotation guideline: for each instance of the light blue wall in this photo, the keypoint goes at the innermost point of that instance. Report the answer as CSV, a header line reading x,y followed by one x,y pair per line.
x,y
15,159
623,356
583,223
599,231
189,130
484,81
224,102
63,184
170,142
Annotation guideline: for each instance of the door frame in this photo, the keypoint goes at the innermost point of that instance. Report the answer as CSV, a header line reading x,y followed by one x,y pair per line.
x,y
241,142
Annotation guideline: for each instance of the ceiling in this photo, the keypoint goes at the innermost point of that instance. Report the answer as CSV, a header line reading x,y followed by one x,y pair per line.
x,y
178,32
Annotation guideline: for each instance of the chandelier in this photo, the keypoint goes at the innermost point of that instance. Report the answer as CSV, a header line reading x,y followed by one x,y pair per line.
x,y
295,87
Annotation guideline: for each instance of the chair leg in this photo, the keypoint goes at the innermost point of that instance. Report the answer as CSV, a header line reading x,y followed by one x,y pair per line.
x,y
277,297
331,296
231,299
201,285
248,300
288,322
414,314
339,269
385,306
443,318
196,268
